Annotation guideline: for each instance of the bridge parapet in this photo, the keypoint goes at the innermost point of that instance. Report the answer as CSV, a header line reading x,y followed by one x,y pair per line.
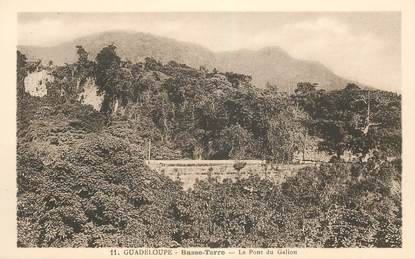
x,y
188,171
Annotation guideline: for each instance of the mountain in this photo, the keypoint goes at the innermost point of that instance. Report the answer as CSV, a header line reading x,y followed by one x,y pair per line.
x,y
130,46
270,64
274,65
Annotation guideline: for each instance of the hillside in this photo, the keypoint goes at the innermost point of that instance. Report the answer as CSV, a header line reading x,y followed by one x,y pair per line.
x,y
131,46
271,64
274,65
83,179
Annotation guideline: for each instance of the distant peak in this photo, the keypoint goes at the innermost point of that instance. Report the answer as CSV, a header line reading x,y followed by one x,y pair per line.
x,y
115,33
272,50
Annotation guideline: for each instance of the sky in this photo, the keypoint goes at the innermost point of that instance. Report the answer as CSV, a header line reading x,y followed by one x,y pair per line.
x,y
361,46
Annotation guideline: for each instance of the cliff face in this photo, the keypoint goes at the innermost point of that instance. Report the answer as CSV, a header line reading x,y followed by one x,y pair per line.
x,y
35,85
89,95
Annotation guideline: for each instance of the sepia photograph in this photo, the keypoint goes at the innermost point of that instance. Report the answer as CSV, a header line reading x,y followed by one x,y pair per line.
x,y
209,129
216,130
222,129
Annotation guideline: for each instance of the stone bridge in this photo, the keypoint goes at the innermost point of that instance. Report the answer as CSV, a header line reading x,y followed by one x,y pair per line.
x,y
188,171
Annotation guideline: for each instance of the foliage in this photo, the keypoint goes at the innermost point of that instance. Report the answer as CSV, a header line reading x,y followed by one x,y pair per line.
x,y
353,119
84,189
82,181
315,208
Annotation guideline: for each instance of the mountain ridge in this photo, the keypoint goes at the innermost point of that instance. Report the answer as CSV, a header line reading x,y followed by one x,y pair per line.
x,y
270,64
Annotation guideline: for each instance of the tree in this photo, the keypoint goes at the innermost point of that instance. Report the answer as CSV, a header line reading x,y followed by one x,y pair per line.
x,y
307,96
82,55
233,142
238,80
351,118
107,76
21,73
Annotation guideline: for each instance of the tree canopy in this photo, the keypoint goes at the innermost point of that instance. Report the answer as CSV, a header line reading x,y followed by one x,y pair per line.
x,y
82,180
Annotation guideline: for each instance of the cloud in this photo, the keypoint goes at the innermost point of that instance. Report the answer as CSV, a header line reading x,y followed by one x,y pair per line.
x,y
50,31
47,32
361,57
39,32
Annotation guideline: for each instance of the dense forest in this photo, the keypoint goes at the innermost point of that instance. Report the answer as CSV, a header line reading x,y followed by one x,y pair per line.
x,y
82,181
